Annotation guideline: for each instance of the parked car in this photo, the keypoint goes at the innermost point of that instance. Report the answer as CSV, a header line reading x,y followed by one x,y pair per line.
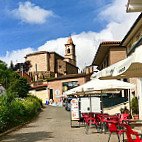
x,y
64,101
68,104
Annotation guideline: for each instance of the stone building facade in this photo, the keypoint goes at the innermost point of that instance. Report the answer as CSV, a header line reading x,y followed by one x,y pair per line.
x,y
50,64
131,41
108,53
54,88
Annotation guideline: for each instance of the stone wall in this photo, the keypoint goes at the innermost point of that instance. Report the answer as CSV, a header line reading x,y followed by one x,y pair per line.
x,y
41,94
52,62
61,66
40,60
71,69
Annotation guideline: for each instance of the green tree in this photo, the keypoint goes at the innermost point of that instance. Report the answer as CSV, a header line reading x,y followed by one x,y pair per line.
x,y
3,73
11,65
3,65
20,87
12,81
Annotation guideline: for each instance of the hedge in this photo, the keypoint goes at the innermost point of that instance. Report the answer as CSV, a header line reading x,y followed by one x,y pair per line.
x,y
15,111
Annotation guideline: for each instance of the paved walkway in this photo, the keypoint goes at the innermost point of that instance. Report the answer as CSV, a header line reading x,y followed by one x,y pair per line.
x,y
53,125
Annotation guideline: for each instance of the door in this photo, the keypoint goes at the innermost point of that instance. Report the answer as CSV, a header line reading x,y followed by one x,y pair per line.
x,y
51,94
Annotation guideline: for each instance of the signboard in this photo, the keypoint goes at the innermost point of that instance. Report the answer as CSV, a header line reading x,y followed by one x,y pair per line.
x,y
57,92
85,105
96,104
74,109
88,104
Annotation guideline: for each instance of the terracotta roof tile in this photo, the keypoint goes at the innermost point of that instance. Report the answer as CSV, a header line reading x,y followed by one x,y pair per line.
x,y
38,86
111,42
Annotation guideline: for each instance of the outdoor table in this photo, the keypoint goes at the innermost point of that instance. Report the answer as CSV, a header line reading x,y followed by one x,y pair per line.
x,y
89,119
129,121
101,118
133,120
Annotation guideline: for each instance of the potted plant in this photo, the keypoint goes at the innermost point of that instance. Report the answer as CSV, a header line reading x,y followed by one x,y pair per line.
x,y
122,110
135,108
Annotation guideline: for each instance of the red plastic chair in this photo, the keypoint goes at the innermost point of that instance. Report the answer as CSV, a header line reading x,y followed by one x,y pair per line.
x,y
110,118
113,129
130,132
124,117
89,120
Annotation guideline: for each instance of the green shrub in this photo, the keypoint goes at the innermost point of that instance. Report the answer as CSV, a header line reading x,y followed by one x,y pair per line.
x,y
5,109
15,111
134,105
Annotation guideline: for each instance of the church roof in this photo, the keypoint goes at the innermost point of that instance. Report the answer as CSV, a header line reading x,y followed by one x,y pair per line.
x,y
69,40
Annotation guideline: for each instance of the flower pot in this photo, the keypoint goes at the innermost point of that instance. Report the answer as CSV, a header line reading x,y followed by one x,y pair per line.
x,y
136,117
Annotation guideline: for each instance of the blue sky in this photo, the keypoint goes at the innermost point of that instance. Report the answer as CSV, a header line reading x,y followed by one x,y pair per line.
x,y
28,26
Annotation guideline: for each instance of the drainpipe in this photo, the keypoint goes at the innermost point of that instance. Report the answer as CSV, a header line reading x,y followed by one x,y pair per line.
x,y
135,45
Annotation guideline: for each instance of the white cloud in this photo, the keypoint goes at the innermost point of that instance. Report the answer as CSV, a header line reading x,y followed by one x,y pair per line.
x,y
87,42
119,22
30,13
17,56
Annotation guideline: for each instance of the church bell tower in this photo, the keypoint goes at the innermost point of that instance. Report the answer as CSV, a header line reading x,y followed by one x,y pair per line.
x,y
70,51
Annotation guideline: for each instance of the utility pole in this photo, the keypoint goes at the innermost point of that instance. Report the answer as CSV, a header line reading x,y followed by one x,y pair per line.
x,y
36,77
22,69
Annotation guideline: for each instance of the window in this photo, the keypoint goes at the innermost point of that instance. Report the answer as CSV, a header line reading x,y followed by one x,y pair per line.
x,y
107,61
69,85
68,50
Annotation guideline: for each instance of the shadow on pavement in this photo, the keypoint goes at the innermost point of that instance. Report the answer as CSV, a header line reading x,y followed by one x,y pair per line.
x,y
29,126
27,137
49,118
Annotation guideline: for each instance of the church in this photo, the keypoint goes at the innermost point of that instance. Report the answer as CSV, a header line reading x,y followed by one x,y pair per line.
x,y
44,64
54,74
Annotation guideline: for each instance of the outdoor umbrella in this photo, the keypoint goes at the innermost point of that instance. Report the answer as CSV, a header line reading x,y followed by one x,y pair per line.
x,y
97,85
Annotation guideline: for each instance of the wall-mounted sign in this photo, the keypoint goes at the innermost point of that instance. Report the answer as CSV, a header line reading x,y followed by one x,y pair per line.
x,y
57,92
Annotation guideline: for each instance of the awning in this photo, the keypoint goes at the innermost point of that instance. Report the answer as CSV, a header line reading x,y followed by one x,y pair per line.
x,y
96,86
130,67
134,6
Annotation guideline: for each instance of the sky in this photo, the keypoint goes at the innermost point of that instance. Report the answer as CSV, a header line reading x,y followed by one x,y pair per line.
x,y
44,25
